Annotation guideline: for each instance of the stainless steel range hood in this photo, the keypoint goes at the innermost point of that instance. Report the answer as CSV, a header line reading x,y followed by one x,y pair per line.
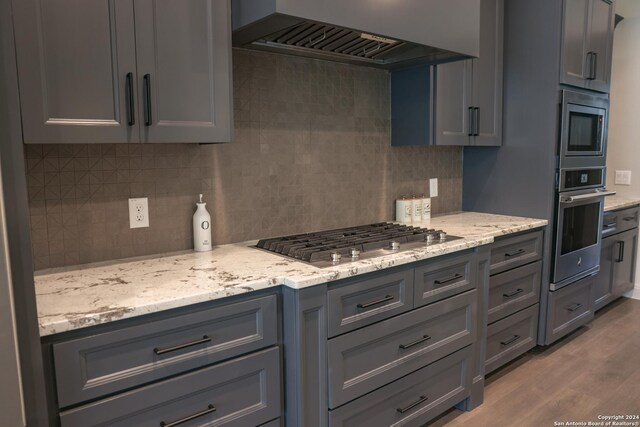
x,y
379,33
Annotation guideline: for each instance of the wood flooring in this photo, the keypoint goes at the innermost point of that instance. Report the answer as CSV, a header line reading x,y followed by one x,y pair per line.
x,y
594,371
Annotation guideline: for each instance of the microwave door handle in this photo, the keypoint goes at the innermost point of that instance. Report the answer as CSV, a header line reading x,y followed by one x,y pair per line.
x,y
572,199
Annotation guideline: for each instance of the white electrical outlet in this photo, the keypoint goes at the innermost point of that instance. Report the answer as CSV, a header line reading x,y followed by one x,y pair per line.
x,y
138,213
433,187
623,178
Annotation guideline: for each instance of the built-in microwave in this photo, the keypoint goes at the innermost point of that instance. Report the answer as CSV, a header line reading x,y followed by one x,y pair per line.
x,y
583,131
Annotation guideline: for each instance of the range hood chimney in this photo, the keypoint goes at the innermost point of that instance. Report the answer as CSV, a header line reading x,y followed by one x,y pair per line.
x,y
379,33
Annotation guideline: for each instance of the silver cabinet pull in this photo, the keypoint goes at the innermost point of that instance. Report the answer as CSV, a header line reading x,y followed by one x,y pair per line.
x,y
160,351
209,410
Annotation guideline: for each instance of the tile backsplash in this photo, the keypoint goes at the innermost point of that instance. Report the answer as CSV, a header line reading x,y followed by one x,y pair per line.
x,y
311,151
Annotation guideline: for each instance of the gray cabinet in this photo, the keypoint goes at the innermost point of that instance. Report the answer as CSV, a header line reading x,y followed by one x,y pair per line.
x,y
468,94
617,257
510,337
124,71
587,43
568,308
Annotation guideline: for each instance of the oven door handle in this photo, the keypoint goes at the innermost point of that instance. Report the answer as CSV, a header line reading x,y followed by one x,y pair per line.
x,y
572,199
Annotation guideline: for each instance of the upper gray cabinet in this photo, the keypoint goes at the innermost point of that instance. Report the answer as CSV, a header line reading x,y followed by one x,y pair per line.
x,y
468,94
124,71
587,43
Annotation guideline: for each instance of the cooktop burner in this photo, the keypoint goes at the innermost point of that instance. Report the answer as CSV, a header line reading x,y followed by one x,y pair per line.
x,y
332,247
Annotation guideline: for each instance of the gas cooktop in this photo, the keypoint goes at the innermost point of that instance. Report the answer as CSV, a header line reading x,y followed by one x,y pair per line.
x,y
333,247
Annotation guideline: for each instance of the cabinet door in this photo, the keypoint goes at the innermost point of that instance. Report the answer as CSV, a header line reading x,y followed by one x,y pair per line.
x,y
487,75
184,77
604,278
73,60
575,27
601,43
454,82
625,262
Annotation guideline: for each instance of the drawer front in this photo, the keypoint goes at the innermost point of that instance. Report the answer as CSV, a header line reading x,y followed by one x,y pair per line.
x,y
364,360
412,400
515,251
443,278
359,304
514,290
510,337
569,308
627,219
87,368
609,223
242,392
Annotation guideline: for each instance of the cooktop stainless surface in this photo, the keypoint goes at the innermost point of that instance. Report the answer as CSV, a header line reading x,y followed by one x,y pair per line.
x,y
333,247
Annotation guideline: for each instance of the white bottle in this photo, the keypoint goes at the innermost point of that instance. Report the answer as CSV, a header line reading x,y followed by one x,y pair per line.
x,y
201,228
404,210
426,210
416,215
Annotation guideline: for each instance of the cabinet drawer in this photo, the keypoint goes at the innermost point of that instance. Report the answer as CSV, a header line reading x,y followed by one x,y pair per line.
x,y
515,251
242,392
609,223
569,308
510,337
627,219
359,304
514,290
364,360
443,278
94,366
412,400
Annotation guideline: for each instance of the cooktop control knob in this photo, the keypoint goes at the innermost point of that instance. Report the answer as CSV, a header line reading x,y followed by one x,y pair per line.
x,y
335,257
429,238
355,254
395,246
442,235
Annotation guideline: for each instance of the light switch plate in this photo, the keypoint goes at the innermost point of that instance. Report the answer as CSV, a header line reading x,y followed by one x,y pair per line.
x,y
623,178
138,213
433,187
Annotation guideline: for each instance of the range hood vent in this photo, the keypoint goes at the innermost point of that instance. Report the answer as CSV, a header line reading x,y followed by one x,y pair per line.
x,y
262,25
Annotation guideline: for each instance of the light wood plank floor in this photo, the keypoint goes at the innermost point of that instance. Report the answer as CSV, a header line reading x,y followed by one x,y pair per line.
x,y
594,371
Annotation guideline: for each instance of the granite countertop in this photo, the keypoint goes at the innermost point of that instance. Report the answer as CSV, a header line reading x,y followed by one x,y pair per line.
x,y
613,203
77,297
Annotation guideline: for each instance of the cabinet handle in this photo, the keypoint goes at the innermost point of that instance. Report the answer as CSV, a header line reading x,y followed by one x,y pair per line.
x,y
589,75
160,351
476,121
514,293
620,251
376,302
416,342
470,124
450,279
516,253
594,66
629,218
128,88
413,405
574,307
209,410
510,340
148,118
611,224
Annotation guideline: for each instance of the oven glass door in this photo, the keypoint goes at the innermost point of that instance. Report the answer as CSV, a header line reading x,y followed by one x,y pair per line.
x,y
577,246
585,131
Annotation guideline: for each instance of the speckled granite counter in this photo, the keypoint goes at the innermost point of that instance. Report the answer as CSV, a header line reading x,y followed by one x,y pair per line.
x,y
92,294
613,203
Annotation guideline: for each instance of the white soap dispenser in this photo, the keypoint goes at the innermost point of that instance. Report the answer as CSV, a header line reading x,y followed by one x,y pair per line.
x,y
201,228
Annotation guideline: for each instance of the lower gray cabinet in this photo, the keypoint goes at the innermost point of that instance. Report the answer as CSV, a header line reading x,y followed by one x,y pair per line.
x,y
624,265
242,392
569,308
603,283
364,360
413,399
514,290
510,337
453,275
